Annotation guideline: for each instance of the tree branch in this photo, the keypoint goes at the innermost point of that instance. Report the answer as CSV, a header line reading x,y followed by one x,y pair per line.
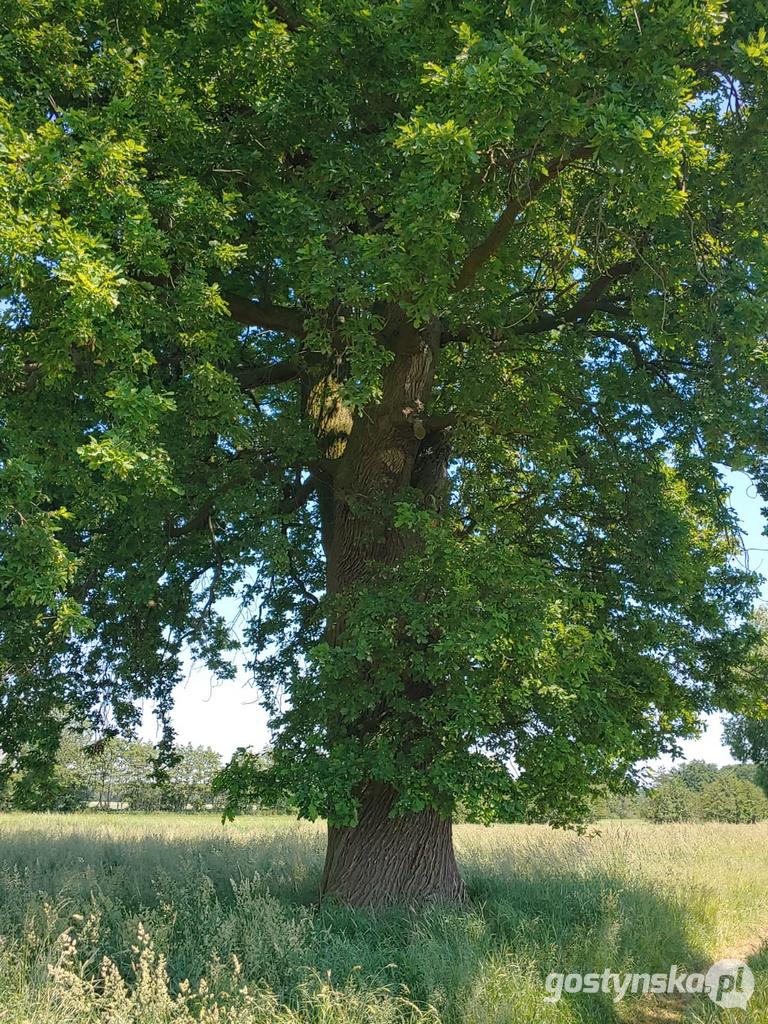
x,y
509,215
435,424
269,317
287,14
250,377
658,365
291,502
199,519
589,301
266,315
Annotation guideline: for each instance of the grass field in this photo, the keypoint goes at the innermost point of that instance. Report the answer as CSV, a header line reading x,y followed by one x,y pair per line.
x,y
128,919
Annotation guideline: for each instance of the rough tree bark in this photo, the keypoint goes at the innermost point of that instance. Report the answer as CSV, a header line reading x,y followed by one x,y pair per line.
x,y
408,858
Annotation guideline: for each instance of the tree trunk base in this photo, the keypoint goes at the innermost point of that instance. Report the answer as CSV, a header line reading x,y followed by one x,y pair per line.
x,y
382,861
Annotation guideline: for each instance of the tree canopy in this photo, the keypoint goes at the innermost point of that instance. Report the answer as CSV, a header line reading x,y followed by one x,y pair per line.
x,y
422,330
694,775
671,801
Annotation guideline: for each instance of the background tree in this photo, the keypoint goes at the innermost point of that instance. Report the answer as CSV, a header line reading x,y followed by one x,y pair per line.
x,y
115,774
748,772
62,786
746,733
419,330
189,780
747,738
671,801
620,805
731,799
694,775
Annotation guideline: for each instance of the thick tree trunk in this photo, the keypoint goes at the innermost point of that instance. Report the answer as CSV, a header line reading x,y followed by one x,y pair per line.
x,y
406,860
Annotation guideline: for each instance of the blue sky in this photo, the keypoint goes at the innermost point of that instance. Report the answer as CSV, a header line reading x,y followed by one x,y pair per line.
x,y
228,715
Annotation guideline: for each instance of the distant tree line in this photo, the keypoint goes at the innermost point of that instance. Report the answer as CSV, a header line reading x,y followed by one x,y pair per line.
x,y
122,774
701,792
694,791
117,774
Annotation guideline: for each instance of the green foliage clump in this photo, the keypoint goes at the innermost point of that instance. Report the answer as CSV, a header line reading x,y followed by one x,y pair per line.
x,y
697,791
671,801
694,775
630,805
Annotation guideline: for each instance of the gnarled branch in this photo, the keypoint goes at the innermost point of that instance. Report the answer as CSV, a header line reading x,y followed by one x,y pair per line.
x,y
286,13
250,377
260,467
298,497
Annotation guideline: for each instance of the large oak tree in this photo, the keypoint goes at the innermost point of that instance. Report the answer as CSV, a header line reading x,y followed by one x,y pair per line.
x,y
420,329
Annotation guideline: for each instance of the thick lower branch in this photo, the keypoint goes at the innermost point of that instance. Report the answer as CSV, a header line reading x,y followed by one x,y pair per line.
x,y
250,377
266,315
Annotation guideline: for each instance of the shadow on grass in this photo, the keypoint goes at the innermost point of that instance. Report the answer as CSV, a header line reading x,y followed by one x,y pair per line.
x,y
206,898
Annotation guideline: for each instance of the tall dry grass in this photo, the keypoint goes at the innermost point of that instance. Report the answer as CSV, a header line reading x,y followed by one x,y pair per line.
x,y
132,919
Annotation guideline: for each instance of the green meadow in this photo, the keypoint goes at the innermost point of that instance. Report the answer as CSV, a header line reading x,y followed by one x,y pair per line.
x,y
163,918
